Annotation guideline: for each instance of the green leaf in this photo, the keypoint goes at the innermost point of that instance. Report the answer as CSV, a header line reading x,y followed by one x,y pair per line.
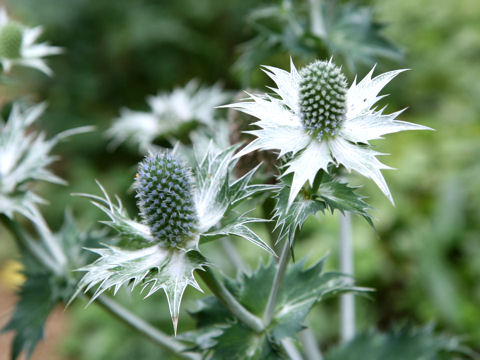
x,y
153,268
301,289
339,196
400,343
238,342
37,300
332,195
289,219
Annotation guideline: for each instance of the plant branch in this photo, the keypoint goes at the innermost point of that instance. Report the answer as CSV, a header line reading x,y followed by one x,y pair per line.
x,y
232,304
291,349
272,298
310,347
316,19
144,328
347,301
30,246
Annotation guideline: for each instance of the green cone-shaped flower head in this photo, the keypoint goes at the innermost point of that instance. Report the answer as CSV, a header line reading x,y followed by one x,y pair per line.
x,y
323,89
164,193
11,35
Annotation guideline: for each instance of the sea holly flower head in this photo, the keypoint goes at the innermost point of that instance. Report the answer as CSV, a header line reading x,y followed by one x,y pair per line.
x,y
319,121
178,211
322,99
164,193
18,46
169,112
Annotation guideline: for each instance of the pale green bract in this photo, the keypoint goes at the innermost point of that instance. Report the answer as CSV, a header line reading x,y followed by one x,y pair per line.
x,y
138,259
24,158
30,53
281,129
168,113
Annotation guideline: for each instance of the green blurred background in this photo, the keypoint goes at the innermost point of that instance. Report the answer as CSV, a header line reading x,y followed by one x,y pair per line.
x,y
423,261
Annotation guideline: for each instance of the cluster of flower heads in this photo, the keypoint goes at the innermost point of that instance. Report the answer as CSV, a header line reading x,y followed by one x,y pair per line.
x,y
18,47
322,98
164,193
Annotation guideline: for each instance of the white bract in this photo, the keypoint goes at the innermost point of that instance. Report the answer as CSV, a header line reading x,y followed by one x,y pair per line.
x,y
348,144
168,112
18,47
24,158
148,255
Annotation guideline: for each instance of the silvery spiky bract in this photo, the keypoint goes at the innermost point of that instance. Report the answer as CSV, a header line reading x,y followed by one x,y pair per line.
x,y
281,122
24,158
168,112
18,47
164,193
149,254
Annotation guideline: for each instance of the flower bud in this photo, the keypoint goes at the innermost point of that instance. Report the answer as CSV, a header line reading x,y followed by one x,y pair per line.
x,y
164,193
323,89
11,35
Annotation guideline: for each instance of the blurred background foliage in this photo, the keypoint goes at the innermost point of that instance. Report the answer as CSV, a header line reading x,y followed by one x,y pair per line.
x,y
423,261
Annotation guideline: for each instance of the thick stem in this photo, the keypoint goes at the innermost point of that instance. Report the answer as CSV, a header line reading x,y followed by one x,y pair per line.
x,y
310,345
347,301
47,237
30,246
227,299
291,349
145,328
272,298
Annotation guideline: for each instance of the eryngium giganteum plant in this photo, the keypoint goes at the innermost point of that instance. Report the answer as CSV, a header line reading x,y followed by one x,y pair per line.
x,y
319,121
178,210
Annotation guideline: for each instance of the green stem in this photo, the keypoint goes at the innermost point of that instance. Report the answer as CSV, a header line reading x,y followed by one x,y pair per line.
x,y
317,181
30,246
310,345
232,304
316,19
145,328
272,298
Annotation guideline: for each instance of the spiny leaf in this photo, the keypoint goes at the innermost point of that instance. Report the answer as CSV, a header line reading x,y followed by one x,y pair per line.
x,y
339,196
332,195
301,289
37,300
153,268
401,343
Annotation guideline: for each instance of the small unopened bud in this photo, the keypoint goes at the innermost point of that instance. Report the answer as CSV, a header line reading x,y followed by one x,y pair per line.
x,y
11,35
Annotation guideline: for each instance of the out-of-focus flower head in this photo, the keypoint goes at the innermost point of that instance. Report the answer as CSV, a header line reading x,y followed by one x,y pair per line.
x,y
18,46
169,113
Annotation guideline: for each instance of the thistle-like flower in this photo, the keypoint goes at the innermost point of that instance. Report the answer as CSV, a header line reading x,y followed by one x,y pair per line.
x,y
169,113
177,211
319,121
18,47
24,158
